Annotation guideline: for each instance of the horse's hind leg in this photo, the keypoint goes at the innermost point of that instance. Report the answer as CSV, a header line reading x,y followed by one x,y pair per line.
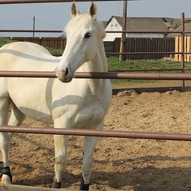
x,y
16,118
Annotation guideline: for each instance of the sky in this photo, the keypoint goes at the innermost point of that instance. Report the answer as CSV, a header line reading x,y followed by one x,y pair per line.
x,y
54,16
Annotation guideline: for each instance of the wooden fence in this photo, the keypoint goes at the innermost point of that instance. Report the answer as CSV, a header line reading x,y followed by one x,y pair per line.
x,y
132,45
51,42
146,45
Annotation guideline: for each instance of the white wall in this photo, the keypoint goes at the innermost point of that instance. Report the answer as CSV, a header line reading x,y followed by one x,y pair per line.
x,y
113,26
145,35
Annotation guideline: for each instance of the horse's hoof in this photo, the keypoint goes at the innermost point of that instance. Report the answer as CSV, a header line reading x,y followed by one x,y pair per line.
x,y
1,168
56,184
6,175
84,186
5,179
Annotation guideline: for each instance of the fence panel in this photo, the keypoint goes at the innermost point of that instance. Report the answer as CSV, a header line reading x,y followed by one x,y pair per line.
x,y
109,46
146,45
51,42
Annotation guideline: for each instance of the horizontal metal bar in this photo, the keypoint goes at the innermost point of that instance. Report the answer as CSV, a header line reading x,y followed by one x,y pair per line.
x,y
46,1
145,53
156,32
60,31
101,133
101,75
138,53
31,31
11,187
152,70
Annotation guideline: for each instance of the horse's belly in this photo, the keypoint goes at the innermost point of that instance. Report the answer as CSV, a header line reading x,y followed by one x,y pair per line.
x,y
32,98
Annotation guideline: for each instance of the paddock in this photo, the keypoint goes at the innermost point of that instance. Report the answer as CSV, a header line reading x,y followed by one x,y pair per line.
x,y
119,164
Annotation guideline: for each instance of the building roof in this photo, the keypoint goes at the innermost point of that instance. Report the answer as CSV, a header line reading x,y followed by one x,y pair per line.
x,y
144,23
178,27
153,23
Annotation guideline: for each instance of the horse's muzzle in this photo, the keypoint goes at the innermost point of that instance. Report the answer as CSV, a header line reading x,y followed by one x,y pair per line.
x,y
64,75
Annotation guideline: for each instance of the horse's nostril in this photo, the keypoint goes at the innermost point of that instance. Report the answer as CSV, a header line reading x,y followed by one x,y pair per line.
x,y
66,72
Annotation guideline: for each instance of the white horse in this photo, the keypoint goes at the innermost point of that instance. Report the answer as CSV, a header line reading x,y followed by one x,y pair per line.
x,y
82,103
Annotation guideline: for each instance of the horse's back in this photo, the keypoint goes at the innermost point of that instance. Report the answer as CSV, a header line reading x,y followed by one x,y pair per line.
x,y
26,56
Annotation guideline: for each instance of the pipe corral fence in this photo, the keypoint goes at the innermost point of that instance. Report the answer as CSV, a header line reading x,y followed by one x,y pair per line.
x,y
109,75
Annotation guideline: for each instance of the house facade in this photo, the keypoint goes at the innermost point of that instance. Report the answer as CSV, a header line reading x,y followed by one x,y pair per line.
x,y
138,24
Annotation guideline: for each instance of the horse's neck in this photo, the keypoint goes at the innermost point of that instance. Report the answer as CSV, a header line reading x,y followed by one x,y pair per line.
x,y
98,64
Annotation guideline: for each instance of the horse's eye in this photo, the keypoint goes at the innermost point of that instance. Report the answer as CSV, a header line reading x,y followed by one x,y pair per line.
x,y
87,35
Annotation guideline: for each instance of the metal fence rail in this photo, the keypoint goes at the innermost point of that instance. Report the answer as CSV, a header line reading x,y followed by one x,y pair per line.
x,y
101,75
100,133
6,187
45,1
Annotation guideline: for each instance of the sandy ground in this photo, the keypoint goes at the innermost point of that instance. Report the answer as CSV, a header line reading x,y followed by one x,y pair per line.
x,y
119,164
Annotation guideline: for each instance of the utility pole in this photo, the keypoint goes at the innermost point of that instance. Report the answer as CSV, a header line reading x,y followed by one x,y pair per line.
x,y
34,27
124,27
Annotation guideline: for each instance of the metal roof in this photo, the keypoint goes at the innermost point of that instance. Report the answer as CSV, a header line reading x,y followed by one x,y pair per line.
x,y
144,23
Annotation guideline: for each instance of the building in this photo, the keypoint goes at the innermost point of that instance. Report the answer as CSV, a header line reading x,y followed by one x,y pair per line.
x,y
139,24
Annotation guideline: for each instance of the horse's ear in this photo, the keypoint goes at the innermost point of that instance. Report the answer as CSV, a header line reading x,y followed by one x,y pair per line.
x,y
93,10
74,10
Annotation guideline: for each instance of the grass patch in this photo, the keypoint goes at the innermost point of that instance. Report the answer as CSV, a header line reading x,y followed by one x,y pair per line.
x,y
115,64
55,51
4,41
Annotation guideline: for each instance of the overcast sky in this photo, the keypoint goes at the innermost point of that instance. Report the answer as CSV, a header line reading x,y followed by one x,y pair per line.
x,y
54,16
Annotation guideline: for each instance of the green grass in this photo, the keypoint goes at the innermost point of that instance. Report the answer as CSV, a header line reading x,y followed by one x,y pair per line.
x,y
55,51
115,64
4,41
132,65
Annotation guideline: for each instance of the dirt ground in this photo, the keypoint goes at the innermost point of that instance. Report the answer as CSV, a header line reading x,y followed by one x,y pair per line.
x,y
119,164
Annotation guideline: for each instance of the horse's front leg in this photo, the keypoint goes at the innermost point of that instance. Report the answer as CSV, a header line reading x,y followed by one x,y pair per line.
x,y
4,142
5,170
88,151
60,143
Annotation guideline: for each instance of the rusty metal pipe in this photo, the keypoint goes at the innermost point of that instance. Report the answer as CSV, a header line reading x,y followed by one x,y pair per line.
x,y
44,1
30,31
140,53
60,31
101,133
102,75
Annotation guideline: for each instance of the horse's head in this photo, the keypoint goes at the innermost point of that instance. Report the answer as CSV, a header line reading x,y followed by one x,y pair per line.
x,y
84,33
